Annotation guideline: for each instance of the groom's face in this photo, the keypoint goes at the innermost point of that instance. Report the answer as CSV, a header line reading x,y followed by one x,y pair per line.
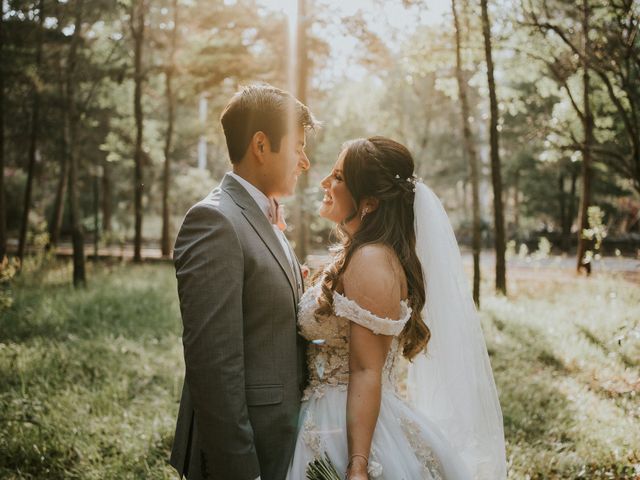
x,y
286,165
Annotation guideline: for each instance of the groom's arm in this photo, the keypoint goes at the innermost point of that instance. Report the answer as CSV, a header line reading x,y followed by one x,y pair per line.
x,y
209,269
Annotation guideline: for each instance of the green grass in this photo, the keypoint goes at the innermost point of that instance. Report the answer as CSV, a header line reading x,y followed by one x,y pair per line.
x,y
570,391
90,378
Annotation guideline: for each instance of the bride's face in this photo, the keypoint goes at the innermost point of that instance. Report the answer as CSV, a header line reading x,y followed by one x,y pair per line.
x,y
337,204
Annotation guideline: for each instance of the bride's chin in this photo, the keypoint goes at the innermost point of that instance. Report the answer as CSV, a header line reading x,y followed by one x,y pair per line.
x,y
326,215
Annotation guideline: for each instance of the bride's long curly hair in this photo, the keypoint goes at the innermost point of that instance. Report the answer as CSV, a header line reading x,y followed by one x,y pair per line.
x,y
384,169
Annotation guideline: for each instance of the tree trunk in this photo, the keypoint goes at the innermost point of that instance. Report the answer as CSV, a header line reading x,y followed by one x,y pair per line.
x,y
3,206
472,158
96,214
564,217
465,200
496,176
572,203
516,204
166,241
106,196
55,224
587,170
70,132
33,137
137,29
302,72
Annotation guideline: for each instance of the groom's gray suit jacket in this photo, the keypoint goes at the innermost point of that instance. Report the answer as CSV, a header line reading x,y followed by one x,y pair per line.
x,y
245,366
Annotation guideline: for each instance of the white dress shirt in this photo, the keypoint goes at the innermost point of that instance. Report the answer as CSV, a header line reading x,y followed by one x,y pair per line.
x,y
263,202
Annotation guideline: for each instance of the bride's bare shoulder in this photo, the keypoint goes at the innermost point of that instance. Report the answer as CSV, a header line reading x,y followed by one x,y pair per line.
x,y
374,258
374,279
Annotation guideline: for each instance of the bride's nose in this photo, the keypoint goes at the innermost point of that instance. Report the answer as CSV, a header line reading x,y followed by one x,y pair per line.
x,y
325,182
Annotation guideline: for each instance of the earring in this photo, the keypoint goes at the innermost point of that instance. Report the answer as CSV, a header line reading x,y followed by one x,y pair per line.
x,y
364,212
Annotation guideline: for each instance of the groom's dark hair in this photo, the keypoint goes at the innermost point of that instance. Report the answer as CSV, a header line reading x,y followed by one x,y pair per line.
x,y
261,108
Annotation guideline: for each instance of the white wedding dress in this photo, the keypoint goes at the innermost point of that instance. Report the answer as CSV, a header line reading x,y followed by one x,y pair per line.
x,y
406,445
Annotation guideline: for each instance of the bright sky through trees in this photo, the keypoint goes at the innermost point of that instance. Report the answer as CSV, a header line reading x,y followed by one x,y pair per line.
x,y
389,19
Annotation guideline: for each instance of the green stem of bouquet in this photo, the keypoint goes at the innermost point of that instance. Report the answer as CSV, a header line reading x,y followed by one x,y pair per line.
x,y
322,469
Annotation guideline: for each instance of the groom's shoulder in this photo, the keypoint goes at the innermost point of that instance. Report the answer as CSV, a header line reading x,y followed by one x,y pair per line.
x,y
208,220
214,200
216,205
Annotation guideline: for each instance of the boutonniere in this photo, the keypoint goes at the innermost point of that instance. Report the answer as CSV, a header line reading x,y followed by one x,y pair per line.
x,y
306,273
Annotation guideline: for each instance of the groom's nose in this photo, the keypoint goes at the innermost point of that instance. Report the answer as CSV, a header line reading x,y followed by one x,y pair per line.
x,y
304,161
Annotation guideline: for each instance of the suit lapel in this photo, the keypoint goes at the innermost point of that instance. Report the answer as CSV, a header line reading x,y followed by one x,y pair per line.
x,y
298,272
261,225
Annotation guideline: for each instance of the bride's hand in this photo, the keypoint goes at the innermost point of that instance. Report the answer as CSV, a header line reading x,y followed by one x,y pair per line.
x,y
358,476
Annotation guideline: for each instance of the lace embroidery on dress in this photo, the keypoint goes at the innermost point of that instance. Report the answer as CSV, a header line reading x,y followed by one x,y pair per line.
x,y
312,436
374,469
328,351
425,456
328,361
347,308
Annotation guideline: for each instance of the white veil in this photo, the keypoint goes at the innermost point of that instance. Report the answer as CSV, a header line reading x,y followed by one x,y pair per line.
x,y
452,383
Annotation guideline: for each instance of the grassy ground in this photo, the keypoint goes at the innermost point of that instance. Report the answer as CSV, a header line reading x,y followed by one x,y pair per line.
x,y
89,379
566,357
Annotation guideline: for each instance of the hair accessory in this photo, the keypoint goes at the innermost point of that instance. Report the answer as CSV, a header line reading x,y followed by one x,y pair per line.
x,y
365,210
412,180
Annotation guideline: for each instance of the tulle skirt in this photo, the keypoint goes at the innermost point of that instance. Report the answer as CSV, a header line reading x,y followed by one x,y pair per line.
x,y
405,445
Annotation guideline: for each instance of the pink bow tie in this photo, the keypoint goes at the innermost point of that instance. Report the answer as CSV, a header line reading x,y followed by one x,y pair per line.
x,y
276,214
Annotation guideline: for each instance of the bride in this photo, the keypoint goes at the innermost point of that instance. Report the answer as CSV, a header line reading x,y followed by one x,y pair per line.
x,y
396,287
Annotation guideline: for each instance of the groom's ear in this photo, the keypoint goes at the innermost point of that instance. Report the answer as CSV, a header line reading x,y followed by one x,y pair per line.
x,y
259,145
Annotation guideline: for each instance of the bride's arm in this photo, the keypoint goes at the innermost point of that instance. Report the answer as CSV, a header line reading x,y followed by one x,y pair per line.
x,y
372,281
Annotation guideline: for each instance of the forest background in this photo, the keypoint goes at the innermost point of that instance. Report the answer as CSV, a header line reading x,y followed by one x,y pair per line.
x,y
110,112
522,115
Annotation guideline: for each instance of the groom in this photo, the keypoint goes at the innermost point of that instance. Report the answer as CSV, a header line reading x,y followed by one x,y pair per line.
x,y
239,284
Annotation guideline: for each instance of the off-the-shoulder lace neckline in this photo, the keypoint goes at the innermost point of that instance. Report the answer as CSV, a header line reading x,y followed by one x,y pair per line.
x,y
406,309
